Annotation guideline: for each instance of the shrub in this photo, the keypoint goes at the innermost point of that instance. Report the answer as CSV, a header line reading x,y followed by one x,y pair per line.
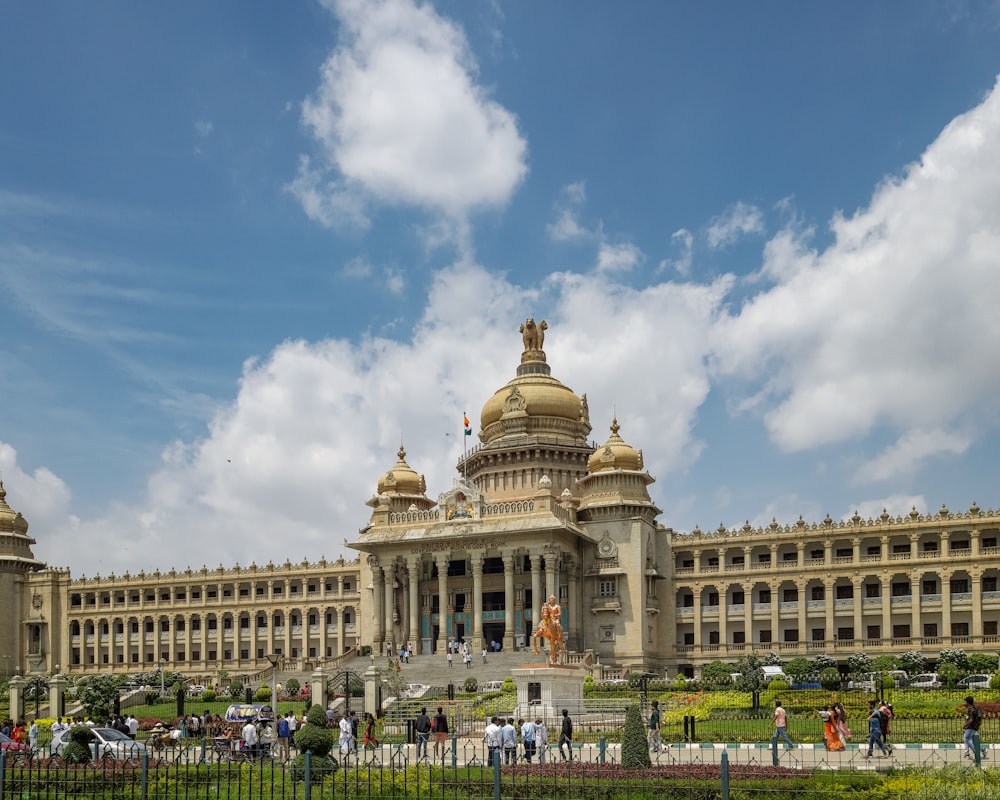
x,y
471,684
509,685
798,668
78,749
262,695
772,659
208,696
830,678
914,663
949,672
995,681
292,686
885,663
982,662
679,684
777,685
235,688
717,673
315,737
635,749
822,662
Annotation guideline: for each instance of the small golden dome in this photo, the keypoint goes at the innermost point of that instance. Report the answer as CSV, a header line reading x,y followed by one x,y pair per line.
x,y
615,454
401,479
10,521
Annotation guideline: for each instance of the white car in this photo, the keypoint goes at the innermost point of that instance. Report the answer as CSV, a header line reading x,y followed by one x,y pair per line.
x,y
975,682
109,741
416,689
927,680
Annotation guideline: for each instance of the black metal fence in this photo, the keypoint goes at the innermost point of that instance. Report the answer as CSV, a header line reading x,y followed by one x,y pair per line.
x,y
464,771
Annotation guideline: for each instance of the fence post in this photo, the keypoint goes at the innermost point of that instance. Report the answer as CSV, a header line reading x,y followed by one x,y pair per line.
x,y
692,728
454,750
496,777
979,749
687,737
308,775
602,745
3,769
144,791
725,775
203,754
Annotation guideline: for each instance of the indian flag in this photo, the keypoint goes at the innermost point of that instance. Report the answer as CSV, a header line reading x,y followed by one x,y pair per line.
x,y
468,426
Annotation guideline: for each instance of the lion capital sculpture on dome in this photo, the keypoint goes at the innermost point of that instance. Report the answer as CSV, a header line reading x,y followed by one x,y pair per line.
x,y
533,335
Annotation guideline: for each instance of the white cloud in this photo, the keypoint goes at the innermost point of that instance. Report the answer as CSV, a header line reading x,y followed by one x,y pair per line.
x,y
896,505
203,128
738,220
327,201
618,257
566,228
910,452
682,240
399,118
894,323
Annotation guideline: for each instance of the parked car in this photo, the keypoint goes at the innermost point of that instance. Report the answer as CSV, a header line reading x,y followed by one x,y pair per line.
x,y
775,674
10,746
492,686
416,689
196,690
975,682
110,743
927,680
866,682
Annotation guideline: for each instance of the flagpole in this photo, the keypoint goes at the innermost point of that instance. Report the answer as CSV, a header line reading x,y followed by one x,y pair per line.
x,y
465,452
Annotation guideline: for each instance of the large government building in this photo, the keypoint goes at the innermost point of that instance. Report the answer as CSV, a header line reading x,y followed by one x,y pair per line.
x,y
536,509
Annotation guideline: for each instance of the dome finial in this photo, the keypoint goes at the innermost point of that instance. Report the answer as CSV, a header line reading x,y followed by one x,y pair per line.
x,y
614,425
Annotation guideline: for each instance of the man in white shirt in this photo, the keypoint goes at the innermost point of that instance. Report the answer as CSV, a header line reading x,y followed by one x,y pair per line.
x,y
293,725
133,727
250,738
346,735
493,741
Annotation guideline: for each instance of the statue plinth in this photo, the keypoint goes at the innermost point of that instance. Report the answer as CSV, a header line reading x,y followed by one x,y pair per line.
x,y
543,690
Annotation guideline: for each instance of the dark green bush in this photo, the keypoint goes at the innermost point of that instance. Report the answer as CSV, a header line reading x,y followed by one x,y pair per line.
x,y
315,737
471,684
635,748
78,749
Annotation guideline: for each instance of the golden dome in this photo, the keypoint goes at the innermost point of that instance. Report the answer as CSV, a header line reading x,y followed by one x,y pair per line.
x,y
534,402
401,479
615,454
10,521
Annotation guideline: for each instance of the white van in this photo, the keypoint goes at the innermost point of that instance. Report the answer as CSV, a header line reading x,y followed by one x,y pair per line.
x,y
492,686
775,673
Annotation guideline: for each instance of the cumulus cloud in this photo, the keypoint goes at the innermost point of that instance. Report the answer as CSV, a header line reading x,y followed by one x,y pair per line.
x,y
683,241
398,118
203,128
618,257
910,452
895,505
894,323
738,220
567,227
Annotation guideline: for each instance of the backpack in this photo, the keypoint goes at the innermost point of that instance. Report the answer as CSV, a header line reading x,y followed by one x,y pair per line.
x,y
283,729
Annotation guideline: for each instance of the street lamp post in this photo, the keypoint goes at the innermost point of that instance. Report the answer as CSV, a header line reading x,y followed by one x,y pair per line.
x,y
274,661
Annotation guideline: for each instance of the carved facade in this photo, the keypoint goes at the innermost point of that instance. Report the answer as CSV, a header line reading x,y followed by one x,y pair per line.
x,y
540,510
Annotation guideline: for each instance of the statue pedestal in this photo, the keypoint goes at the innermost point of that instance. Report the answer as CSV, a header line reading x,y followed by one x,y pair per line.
x,y
544,690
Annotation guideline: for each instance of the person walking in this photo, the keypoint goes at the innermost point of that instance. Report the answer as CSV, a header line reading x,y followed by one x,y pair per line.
x,y
780,728
654,728
541,740
346,735
885,721
509,739
970,732
566,736
451,657
422,725
485,651
493,739
283,737
440,732
874,732
528,738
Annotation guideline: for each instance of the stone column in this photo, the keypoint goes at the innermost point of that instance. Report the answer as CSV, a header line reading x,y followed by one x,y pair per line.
x,y
413,570
317,683
800,547
884,542
828,594
886,590
16,686
697,618
775,587
551,573
536,590
508,601
573,607
723,613
916,623
57,685
976,583
377,598
477,601
389,579
748,612
858,607
856,550
946,604
827,552
444,631
800,593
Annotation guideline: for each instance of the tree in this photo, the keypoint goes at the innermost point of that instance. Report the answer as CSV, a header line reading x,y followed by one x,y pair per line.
x,y
822,662
913,662
315,737
798,669
829,678
751,674
98,695
956,656
717,673
949,674
885,663
635,749
859,663
983,663
292,686
772,659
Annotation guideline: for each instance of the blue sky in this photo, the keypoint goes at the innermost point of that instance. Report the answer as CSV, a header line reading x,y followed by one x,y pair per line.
x,y
245,248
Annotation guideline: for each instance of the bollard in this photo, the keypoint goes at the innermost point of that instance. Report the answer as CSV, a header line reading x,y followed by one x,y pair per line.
x,y
454,751
204,755
308,775
496,777
602,746
3,769
145,775
725,775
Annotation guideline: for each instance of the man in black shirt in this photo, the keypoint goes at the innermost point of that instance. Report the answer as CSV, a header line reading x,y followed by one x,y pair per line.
x,y
423,728
566,737
440,732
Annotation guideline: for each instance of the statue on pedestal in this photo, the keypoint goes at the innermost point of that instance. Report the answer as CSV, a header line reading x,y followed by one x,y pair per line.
x,y
550,627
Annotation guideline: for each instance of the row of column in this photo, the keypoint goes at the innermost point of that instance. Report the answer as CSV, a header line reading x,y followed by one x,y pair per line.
x,y
384,579
857,609
234,636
